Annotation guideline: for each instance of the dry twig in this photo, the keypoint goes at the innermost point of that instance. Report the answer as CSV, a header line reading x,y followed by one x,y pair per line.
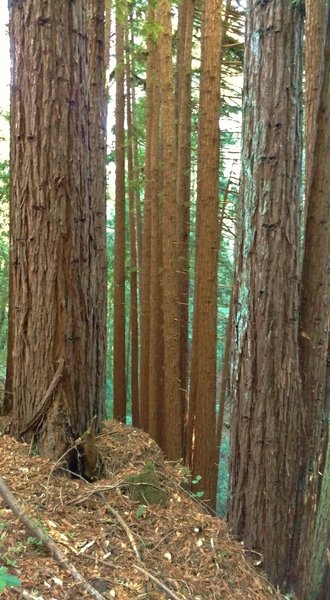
x,y
160,584
125,528
46,540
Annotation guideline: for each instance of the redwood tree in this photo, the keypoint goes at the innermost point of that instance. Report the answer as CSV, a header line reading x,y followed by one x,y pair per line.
x,y
58,378
173,409
201,426
119,351
266,419
315,309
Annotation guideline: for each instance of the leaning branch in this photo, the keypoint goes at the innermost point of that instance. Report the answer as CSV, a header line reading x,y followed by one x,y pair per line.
x,y
53,550
159,583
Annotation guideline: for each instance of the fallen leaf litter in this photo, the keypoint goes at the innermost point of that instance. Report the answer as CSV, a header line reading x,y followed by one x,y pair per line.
x,y
123,550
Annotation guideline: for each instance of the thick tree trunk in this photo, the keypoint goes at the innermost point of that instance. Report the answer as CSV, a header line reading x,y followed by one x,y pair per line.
x,y
266,419
58,383
202,418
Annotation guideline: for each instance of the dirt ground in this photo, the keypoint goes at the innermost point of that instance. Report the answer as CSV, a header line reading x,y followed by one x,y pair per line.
x,y
123,549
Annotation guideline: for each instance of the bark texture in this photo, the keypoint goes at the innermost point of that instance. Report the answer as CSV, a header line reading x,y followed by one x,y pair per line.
x,y
173,410
146,238
119,350
184,110
315,299
134,349
202,418
58,316
98,110
265,389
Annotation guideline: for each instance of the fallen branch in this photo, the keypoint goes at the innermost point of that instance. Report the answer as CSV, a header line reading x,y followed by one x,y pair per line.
x,y
125,528
53,550
160,584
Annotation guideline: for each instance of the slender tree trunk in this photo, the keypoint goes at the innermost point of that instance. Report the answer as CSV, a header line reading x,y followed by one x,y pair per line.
x,y
57,386
156,342
315,289
119,352
173,409
184,58
133,251
98,146
202,419
146,240
266,421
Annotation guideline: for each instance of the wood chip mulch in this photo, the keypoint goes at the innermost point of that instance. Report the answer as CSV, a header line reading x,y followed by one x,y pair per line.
x,y
179,543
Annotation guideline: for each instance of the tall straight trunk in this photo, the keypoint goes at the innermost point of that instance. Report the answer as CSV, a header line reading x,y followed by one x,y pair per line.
x,y
315,283
98,145
119,351
184,72
173,409
266,426
57,386
201,426
133,251
146,239
156,343
107,34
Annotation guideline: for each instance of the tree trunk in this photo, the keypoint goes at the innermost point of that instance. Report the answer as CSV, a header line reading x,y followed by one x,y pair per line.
x,y
133,253
265,389
202,418
315,289
98,147
156,341
184,73
173,410
146,238
57,381
119,351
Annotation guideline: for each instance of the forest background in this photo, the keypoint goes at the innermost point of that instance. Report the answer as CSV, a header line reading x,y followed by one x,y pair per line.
x,y
182,330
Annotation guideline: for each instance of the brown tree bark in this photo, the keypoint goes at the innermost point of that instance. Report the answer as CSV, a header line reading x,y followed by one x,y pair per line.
x,y
57,384
201,425
156,341
119,350
184,112
315,292
265,389
146,238
98,110
173,409
133,250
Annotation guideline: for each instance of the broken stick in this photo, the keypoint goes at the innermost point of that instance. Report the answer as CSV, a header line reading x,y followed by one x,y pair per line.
x,y
53,550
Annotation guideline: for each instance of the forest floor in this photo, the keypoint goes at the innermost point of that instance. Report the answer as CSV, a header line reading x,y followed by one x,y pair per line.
x,y
175,549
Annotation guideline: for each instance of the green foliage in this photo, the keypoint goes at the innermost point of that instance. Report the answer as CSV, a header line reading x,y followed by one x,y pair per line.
x,y
195,481
140,511
7,580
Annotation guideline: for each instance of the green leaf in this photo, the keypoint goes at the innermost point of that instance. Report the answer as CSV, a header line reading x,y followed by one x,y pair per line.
x,y
197,479
141,509
198,494
7,580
